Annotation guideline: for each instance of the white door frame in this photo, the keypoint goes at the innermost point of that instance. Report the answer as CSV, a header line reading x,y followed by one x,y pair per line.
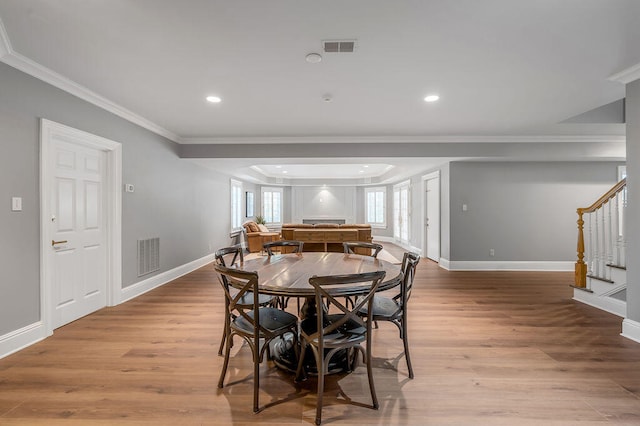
x,y
425,178
113,209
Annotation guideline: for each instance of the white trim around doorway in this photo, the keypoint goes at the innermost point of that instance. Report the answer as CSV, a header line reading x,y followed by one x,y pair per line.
x,y
113,150
423,202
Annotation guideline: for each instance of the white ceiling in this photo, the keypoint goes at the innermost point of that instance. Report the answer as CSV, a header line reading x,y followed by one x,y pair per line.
x,y
501,67
319,171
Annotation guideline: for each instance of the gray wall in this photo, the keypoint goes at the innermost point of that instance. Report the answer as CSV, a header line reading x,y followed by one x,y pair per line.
x,y
524,211
445,211
174,199
633,208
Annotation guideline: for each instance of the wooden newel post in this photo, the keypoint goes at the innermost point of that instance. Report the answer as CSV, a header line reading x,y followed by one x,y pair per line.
x,y
581,267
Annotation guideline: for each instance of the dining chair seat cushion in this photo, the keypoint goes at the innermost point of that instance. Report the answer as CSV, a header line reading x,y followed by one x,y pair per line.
x,y
247,299
271,319
351,331
383,307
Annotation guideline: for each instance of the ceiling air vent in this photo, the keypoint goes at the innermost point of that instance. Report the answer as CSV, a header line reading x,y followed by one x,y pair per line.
x,y
339,46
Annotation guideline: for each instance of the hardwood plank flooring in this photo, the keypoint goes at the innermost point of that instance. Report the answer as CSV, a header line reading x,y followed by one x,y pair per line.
x,y
488,348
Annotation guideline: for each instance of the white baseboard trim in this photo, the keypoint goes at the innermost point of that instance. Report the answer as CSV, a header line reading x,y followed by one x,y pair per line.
x,y
607,304
471,265
464,265
21,338
445,263
408,247
631,330
149,284
33,333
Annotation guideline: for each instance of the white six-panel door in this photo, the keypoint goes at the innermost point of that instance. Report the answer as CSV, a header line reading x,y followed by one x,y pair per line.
x,y
81,223
79,261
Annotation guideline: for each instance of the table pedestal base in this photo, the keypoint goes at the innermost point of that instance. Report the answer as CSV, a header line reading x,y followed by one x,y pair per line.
x,y
284,356
283,351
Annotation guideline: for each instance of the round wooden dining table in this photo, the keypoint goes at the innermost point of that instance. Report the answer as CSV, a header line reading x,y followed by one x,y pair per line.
x,y
288,275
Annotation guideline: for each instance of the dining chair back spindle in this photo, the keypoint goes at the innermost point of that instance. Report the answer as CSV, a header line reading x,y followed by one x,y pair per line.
x,y
257,325
296,245
235,253
372,249
327,334
394,309
283,302
360,247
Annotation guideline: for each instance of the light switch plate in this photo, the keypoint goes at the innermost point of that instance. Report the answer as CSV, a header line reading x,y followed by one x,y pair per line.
x,y
16,204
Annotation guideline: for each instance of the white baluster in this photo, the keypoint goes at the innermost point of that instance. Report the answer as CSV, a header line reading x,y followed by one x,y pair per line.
x,y
616,227
623,229
596,244
603,242
610,235
591,250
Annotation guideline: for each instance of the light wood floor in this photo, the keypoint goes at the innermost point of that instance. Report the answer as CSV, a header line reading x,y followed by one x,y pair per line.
x,y
490,348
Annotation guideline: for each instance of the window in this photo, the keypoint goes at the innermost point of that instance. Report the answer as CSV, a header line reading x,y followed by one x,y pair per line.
x,y
401,212
272,204
375,200
236,205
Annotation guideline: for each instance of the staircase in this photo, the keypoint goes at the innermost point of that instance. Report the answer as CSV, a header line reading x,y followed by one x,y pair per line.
x,y
600,271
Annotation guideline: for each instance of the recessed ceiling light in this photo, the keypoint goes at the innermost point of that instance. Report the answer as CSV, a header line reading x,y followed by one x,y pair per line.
x,y
365,166
278,167
313,58
431,98
284,171
214,99
361,171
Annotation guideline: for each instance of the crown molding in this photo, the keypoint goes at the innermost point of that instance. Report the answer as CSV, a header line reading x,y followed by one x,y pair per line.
x,y
40,72
34,69
627,75
402,139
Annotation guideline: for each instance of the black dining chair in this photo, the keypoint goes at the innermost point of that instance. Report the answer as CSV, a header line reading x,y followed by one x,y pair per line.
x,y
360,247
372,249
394,309
296,245
257,325
235,254
327,334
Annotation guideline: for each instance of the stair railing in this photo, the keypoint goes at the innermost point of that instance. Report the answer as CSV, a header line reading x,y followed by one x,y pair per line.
x,y
606,241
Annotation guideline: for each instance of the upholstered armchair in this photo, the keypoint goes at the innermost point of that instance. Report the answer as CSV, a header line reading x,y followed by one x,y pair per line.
x,y
257,235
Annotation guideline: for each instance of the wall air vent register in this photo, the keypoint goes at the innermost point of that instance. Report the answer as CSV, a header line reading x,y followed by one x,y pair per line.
x,y
148,256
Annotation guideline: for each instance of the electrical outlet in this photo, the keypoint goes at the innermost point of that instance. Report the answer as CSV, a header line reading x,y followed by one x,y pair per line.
x,y
492,252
